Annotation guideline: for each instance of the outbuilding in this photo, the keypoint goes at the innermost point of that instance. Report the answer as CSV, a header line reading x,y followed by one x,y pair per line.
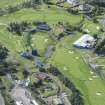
x,y
39,63
85,41
34,52
24,54
44,27
74,2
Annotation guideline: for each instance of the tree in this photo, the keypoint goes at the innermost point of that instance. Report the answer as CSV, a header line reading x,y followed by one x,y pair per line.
x,y
26,73
100,47
18,28
3,53
36,3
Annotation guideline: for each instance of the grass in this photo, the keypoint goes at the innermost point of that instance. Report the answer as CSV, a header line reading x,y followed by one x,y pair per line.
x,y
92,27
51,15
40,41
15,43
6,3
77,71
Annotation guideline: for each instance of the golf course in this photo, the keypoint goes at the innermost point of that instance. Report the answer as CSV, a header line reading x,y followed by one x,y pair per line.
x,y
66,57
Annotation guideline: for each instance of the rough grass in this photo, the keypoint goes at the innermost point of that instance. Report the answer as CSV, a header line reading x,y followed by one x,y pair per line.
x,y
6,3
77,71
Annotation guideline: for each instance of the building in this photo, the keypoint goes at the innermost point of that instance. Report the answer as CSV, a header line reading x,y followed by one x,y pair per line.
x,y
34,102
24,54
99,1
57,101
84,42
74,2
22,96
39,63
42,76
86,8
44,27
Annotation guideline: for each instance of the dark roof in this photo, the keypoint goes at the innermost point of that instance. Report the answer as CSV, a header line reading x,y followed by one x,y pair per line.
x,y
39,63
32,31
44,27
25,54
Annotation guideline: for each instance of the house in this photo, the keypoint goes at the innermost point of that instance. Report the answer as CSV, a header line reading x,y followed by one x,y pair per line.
x,y
42,76
39,63
24,54
86,8
99,1
34,102
57,101
32,31
44,27
84,42
74,2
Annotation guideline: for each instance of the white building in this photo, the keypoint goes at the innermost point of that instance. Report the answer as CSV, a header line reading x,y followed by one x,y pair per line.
x,y
84,42
34,102
74,2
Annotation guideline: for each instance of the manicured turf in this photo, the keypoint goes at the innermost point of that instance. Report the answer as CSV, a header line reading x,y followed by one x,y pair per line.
x,y
77,71
6,3
40,41
92,27
52,16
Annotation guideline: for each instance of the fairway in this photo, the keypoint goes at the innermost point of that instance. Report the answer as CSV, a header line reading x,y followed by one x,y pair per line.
x,y
67,58
79,73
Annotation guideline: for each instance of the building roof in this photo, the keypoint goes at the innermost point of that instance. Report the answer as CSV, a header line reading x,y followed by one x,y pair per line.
x,y
83,41
22,96
19,103
24,54
45,27
39,63
99,1
57,101
34,102
74,2
41,75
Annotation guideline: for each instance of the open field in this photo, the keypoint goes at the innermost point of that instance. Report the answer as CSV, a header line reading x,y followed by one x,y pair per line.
x,y
64,57
78,72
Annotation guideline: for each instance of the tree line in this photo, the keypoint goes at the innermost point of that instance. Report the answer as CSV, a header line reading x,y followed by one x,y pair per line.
x,y
28,4
76,97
